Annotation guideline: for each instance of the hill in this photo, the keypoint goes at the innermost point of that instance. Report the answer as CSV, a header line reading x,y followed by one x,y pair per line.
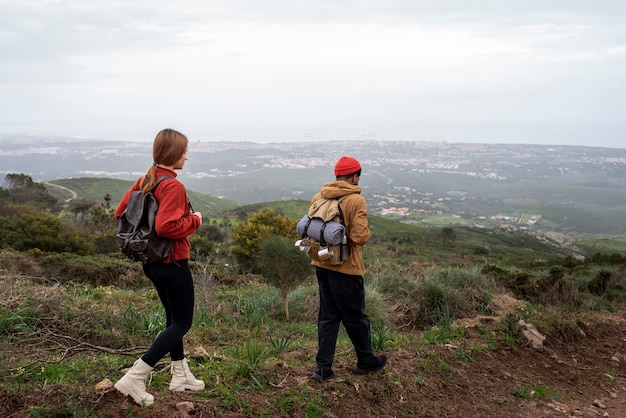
x,y
95,189
393,237
445,312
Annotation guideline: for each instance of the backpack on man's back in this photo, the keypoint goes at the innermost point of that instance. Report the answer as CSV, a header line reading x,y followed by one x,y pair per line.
x,y
324,237
136,234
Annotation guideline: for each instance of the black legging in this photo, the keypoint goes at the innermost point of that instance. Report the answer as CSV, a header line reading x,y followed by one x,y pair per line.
x,y
174,284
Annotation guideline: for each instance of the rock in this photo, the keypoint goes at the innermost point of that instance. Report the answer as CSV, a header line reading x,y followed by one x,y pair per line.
x,y
103,385
185,407
532,335
599,404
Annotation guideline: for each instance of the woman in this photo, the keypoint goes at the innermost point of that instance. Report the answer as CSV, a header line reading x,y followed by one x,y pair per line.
x,y
171,277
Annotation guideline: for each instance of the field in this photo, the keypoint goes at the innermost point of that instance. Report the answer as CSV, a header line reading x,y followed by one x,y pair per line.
x,y
451,335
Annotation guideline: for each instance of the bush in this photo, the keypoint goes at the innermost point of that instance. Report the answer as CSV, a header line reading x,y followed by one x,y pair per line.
x,y
249,236
38,230
17,263
422,299
98,271
390,282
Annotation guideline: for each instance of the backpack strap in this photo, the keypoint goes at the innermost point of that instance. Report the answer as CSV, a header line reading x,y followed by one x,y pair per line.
x,y
156,183
344,247
306,228
322,240
339,199
160,179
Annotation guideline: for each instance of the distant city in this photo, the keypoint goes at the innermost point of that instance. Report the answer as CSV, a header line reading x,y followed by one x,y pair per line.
x,y
571,189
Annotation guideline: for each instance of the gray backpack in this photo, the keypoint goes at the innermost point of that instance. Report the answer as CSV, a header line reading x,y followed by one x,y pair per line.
x,y
323,232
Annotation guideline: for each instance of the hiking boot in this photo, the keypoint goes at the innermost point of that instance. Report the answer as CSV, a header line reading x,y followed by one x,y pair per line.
x,y
373,364
321,375
133,383
182,378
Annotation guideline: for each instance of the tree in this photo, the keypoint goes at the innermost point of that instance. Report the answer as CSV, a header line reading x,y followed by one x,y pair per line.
x,y
107,201
201,247
282,265
210,232
23,190
205,242
80,208
447,235
102,226
99,219
249,235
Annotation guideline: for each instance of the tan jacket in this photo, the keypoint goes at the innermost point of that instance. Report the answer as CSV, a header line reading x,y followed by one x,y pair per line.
x,y
355,218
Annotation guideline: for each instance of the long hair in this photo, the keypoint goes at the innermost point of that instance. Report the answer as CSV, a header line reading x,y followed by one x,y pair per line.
x,y
168,147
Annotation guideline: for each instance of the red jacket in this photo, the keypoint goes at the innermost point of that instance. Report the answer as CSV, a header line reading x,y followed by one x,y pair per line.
x,y
174,219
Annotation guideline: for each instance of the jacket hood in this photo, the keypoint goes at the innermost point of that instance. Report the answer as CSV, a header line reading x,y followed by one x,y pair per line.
x,y
337,189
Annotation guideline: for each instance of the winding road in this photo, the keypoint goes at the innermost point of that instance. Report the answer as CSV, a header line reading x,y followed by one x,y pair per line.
x,y
70,191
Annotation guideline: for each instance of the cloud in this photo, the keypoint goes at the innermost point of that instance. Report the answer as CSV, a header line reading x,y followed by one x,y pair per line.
x,y
351,66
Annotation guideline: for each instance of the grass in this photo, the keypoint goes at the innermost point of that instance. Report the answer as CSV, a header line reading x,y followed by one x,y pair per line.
x,y
540,391
90,332
381,337
281,343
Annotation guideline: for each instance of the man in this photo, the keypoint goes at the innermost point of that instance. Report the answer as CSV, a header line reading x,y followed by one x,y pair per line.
x,y
342,294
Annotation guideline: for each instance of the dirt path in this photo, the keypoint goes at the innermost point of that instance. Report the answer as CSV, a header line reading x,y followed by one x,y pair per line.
x,y
72,193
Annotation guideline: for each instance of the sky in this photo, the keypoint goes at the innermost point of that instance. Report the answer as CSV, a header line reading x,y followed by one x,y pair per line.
x,y
533,72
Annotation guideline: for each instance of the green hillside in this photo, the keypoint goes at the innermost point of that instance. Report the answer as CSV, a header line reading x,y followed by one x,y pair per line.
x,y
292,209
391,238
96,188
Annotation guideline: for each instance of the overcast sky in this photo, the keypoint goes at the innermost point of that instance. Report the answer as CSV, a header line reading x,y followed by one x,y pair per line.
x,y
535,72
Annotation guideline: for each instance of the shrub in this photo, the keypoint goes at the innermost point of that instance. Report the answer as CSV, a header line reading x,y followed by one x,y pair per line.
x,y
19,263
30,229
249,236
557,288
98,271
452,292
282,266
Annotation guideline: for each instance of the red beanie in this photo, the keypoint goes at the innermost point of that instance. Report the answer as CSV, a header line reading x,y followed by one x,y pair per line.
x,y
346,165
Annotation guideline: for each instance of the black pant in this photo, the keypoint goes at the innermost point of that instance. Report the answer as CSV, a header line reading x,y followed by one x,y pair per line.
x,y
342,299
174,284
